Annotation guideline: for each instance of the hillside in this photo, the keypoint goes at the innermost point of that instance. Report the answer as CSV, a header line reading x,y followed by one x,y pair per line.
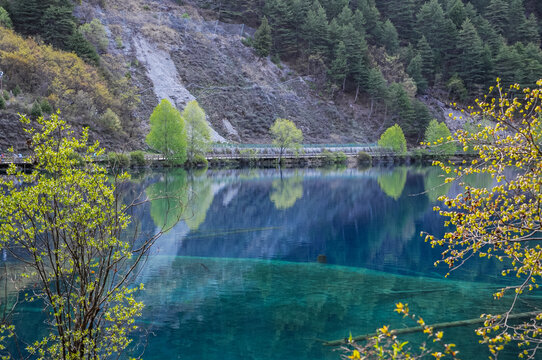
x,y
343,71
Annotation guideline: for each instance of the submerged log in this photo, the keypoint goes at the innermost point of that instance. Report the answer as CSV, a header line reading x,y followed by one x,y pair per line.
x,y
434,326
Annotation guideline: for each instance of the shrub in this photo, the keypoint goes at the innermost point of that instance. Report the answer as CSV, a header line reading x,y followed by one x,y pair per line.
x,y
340,157
36,112
394,139
137,158
2,103
364,158
199,161
16,90
436,137
46,107
111,121
6,95
118,160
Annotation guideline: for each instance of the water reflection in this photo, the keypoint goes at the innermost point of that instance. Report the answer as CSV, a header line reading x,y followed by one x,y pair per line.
x,y
287,191
393,182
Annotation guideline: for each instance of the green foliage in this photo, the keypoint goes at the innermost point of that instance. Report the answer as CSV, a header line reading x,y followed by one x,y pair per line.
x,y
286,135
66,224
286,192
198,133
5,20
456,88
46,107
339,69
438,138
95,33
364,158
111,121
84,49
2,103
394,139
6,95
168,132
414,69
262,39
137,158
16,90
390,38
118,160
36,111
392,183
332,158
58,26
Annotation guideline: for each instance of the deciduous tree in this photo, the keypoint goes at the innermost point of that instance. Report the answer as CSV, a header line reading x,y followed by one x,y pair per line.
x,y
198,134
393,138
168,132
65,226
286,136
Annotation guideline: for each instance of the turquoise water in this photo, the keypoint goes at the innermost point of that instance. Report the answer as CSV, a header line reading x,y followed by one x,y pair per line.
x,y
238,276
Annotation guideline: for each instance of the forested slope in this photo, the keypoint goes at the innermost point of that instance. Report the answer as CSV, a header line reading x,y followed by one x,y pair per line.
x,y
342,70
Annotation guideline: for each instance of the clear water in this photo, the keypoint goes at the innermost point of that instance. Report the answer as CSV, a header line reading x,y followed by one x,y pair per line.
x,y
238,277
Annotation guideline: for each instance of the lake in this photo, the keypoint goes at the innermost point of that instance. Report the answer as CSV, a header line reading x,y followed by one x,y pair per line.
x,y
265,264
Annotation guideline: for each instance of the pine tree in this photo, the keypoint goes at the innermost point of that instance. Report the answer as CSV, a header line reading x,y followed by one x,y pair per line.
x,y
471,59
497,14
339,68
5,20
488,34
316,30
359,21
262,39
390,38
84,49
57,26
529,32
516,21
373,25
457,13
281,18
402,14
414,69
508,64
376,87
426,53
346,16
26,16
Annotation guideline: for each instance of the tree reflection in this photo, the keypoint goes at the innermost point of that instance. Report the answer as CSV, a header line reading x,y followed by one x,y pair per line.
x,y
287,191
434,183
179,196
392,183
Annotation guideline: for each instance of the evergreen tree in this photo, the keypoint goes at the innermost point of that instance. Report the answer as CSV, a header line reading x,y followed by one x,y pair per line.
x,y
529,32
84,49
488,34
316,30
516,21
57,26
359,21
356,55
402,14
168,132
439,31
497,14
390,38
339,68
457,12
5,20
281,19
472,53
426,53
262,39
26,16
334,7
414,69
346,16
403,110
373,25
376,87
532,65
508,63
